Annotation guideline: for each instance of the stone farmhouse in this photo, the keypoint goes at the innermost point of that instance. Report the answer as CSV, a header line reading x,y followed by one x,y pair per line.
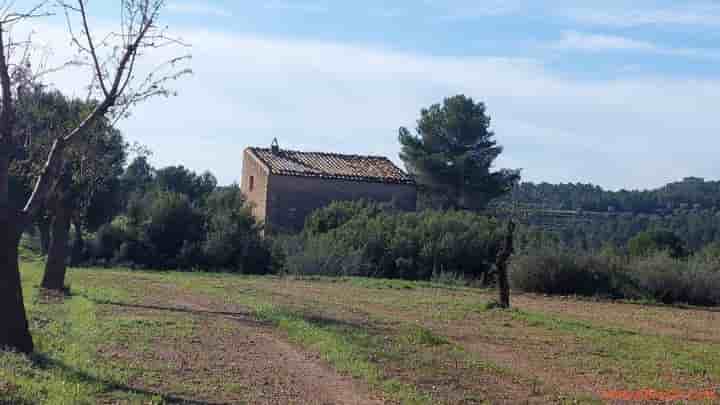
x,y
285,186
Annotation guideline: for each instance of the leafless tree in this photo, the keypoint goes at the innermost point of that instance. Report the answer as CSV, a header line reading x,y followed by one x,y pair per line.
x,y
113,58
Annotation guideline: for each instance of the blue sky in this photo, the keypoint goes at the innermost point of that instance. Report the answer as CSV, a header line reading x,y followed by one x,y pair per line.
x,y
617,93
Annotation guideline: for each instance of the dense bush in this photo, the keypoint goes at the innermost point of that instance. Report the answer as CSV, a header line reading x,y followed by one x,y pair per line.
x,y
650,242
337,214
322,255
233,237
669,280
659,277
563,273
167,230
173,227
366,239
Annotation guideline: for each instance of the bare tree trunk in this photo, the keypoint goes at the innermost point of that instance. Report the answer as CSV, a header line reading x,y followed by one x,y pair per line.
x,y
56,265
44,228
14,331
506,250
76,256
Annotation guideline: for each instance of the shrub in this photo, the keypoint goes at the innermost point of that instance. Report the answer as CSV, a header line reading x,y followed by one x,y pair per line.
x,y
562,273
371,240
659,277
172,223
336,214
322,256
648,243
167,230
670,280
107,241
233,238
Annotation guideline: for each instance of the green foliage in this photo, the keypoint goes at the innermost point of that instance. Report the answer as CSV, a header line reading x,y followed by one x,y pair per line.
x,y
167,230
173,226
178,179
93,163
336,214
658,277
366,240
680,195
670,280
648,243
323,255
137,179
452,155
585,216
565,273
233,237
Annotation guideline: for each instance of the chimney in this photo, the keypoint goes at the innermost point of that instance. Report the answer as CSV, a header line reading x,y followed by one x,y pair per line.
x,y
275,147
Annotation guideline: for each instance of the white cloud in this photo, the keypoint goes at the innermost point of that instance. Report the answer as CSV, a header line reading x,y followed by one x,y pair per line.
x,y
690,15
597,42
470,10
246,90
199,8
579,41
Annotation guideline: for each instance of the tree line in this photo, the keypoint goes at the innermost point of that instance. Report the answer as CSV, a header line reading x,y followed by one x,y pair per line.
x,y
686,209
690,193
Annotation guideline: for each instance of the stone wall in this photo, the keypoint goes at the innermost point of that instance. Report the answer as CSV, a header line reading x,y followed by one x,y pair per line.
x,y
257,196
291,199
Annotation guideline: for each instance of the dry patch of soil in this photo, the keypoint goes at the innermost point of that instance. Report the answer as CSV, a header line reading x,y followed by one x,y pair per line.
x,y
228,358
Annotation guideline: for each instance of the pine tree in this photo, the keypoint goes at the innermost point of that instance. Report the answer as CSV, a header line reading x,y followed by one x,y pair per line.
x,y
452,155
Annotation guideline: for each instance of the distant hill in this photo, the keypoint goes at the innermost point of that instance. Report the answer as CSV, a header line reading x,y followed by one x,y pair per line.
x,y
691,192
587,216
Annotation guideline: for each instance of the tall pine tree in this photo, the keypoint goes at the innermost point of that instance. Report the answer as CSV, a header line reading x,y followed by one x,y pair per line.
x,y
452,155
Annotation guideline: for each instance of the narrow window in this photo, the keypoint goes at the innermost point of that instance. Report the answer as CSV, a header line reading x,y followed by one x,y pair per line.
x,y
252,183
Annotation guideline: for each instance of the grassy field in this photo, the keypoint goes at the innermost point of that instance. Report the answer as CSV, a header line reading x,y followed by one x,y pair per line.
x,y
153,338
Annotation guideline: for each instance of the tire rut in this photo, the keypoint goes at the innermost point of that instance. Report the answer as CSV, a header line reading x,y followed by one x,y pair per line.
x,y
246,359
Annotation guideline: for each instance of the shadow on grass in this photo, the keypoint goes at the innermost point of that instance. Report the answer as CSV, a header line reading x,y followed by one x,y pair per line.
x,y
43,362
247,316
192,311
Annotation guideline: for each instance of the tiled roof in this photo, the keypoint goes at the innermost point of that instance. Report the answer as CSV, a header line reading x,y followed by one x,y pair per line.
x,y
331,166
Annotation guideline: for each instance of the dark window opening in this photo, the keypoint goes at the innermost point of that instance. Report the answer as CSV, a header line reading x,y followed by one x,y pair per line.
x,y
252,183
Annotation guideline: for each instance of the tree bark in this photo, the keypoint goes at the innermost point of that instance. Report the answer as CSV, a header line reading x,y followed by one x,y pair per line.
x,y
76,256
44,228
56,265
14,330
501,263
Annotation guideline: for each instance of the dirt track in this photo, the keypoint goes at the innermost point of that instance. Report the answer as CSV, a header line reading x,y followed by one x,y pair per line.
x,y
231,358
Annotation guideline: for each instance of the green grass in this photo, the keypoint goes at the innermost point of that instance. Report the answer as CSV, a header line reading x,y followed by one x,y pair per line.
x,y
64,369
68,335
369,351
418,335
393,334
348,349
645,360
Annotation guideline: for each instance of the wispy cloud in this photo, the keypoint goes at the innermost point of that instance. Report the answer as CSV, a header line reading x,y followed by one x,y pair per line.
x,y
597,42
579,41
697,15
199,8
320,95
456,10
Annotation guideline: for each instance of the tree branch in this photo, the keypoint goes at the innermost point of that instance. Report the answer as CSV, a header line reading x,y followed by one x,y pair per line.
x,y
144,13
6,117
98,69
